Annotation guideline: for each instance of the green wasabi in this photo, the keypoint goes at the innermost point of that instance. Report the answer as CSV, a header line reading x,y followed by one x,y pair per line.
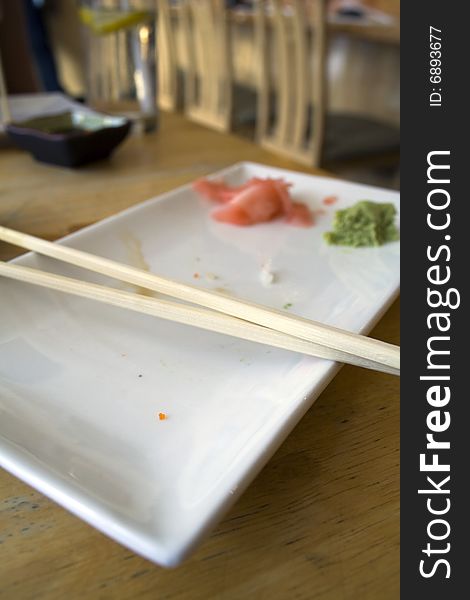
x,y
366,223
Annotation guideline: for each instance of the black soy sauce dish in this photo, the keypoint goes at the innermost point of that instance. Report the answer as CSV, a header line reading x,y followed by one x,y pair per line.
x,y
351,12
69,139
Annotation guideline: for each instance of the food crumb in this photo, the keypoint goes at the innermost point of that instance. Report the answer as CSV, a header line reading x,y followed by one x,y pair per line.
x,y
330,200
267,276
211,276
196,275
162,416
287,305
140,375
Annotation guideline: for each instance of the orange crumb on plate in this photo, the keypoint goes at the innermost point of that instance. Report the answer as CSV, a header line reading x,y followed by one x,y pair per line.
x,y
196,275
162,416
330,200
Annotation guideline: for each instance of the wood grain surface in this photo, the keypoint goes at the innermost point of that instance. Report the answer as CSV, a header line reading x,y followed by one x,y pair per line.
x,y
321,521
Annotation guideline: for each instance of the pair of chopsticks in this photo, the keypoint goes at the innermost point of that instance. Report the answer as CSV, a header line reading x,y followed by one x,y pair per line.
x,y
219,313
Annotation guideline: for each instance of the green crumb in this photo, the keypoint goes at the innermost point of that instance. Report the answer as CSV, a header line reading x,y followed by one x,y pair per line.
x,y
287,305
366,223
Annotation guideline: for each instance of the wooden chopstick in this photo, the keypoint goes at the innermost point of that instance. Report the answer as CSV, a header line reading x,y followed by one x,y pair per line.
x,y
173,311
360,350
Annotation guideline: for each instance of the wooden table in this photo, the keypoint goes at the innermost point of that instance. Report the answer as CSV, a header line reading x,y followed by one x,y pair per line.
x,y
320,521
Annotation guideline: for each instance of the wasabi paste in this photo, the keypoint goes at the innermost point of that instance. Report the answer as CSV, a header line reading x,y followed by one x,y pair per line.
x,y
366,223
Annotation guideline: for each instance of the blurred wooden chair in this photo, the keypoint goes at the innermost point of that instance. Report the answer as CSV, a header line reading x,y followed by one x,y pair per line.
x,y
168,92
5,115
292,92
286,123
208,77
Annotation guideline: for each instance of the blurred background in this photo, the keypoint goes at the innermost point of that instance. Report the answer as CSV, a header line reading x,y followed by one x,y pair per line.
x,y
314,80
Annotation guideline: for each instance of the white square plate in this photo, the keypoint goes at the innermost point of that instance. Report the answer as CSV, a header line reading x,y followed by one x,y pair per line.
x,y
81,384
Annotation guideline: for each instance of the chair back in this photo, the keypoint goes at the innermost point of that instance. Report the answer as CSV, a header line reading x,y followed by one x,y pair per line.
x,y
167,65
208,77
5,115
291,46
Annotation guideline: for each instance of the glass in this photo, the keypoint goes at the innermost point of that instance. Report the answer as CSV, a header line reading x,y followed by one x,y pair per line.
x,y
121,58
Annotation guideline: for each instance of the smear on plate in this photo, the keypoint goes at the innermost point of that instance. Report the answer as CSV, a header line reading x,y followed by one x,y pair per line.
x,y
136,259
